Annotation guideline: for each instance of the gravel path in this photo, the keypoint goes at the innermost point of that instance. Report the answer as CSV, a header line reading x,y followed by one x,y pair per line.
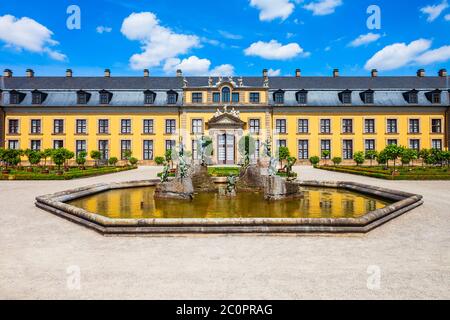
x,y
40,254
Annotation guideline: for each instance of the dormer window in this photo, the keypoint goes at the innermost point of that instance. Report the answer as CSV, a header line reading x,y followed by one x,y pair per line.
x,y
345,97
105,97
36,98
278,97
434,96
83,97
367,97
149,97
16,97
172,97
412,97
226,95
302,97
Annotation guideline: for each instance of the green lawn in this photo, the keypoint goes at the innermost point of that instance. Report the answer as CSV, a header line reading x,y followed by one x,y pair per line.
x,y
73,173
403,173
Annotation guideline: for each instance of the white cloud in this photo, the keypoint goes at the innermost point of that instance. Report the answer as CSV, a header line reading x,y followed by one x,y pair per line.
x,y
273,9
398,55
365,39
103,29
434,11
229,35
158,43
441,54
27,34
447,17
195,66
323,7
274,73
274,50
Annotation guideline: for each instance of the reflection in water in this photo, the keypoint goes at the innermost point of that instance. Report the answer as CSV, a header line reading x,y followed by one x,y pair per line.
x,y
315,203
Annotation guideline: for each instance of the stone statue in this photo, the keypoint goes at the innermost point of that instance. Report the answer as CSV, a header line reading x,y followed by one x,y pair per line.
x,y
185,83
203,143
241,82
182,165
231,185
165,174
267,149
210,82
288,167
273,166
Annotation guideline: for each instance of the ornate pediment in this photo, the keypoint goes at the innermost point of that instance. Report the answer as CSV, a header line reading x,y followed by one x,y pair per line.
x,y
226,120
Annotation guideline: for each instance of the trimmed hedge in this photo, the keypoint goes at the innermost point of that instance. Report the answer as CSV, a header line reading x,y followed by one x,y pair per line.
x,y
72,174
418,173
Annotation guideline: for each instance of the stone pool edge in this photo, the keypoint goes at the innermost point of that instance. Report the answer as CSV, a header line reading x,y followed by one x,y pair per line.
x,y
56,204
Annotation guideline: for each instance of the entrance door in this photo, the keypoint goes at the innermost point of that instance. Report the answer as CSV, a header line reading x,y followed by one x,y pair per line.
x,y
225,145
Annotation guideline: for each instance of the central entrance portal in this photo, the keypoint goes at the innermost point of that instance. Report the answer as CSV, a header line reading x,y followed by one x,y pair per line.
x,y
226,149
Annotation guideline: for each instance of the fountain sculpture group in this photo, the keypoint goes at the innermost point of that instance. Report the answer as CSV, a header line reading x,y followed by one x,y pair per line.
x,y
261,176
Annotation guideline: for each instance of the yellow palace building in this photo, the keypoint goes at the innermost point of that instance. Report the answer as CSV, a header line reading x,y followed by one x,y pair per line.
x,y
149,115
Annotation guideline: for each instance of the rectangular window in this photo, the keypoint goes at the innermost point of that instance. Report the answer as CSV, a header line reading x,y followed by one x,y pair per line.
x,y
392,142
280,125
325,126
80,146
171,98
13,126
14,98
255,156
303,150
436,126
235,97
325,145
254,126
303,126
81,98
216,97
436,144
13,144
58,144
170,126
197,126
254,97
369,98
81,126
347,149
125,146
36,98
347,98
436,97
414,144
103,147
125,126
148,126
391,126
104,98
149,98
414,126
369,125
413,98
148,150
197,97
302,97
58,126
369,144
170,144
281,143
103,126
347,126
279,98
35,145
35,126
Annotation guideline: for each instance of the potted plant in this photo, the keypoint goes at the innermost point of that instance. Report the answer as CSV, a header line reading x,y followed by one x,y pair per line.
x,y
159,161
96,155
113,161
81,160
314,160
10,157
371,155
58,158
47,153
336,161
34,158
326,155
133,161
283,154
359,158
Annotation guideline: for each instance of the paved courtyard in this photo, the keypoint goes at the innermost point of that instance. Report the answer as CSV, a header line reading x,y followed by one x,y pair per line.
x,y
39,253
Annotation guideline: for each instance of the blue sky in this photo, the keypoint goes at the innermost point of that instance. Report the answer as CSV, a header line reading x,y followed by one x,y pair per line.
x,y
236,36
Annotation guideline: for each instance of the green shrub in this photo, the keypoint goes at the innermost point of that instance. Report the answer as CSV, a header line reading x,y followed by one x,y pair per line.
x,y
336,161
314,160
96,155
283,154
359,158
133,161
159,161
113,161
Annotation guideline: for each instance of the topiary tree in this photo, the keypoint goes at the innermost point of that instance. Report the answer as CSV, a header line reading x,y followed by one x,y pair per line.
x,y
58,158
326,155
408,155
336,161
359,158
67,156
159,161
127,154
423,155
81,159
10,157
382,159
133,161
168,156
34,157
314,160
446,157
371,155
47,153
113,161
96,155
283,154
393,152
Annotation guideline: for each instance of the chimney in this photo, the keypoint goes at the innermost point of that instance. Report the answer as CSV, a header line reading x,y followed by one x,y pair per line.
x,y
146,73
335,73
421,73
374,73
179,73
265,73
69,73
298,73
443,73
30,73
107,73
7,73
